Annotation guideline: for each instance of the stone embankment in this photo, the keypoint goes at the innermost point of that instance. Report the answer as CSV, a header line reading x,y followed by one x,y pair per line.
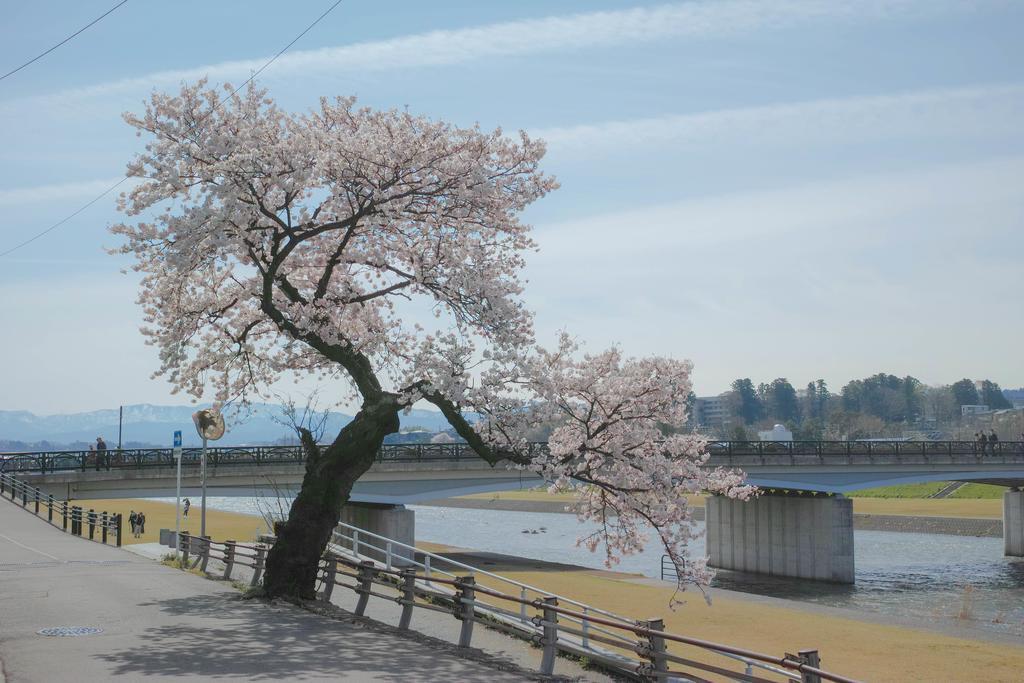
x,y
956,526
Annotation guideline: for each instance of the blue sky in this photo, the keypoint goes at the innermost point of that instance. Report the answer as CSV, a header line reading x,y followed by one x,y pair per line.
x,y
798,188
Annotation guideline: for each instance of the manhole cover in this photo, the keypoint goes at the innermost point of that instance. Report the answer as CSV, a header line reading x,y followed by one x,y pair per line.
x,y
70,631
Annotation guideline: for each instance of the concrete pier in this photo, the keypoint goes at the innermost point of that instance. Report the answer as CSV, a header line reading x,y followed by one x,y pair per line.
x,y
808,537
1013,523
391,521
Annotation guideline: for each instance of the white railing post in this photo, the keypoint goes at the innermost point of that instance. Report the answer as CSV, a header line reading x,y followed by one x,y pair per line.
x,y
387,555
355,543
426,568
522,605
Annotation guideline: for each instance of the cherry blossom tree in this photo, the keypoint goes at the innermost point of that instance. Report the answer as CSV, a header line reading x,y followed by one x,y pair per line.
x,y
273,244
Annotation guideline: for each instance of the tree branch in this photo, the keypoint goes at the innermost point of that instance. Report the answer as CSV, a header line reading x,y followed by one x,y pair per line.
x,y
462,427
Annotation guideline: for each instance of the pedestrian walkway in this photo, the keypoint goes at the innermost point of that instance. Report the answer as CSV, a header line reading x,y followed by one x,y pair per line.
x,y
161,622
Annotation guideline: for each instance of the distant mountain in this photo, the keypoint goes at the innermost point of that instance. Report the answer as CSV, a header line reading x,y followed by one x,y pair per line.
x,y
146,423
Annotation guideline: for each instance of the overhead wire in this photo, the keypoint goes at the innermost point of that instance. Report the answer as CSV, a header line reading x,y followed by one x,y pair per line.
x,y
113,187
43,54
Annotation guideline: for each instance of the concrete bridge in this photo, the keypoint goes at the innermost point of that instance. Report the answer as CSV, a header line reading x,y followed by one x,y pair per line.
x,y
801,526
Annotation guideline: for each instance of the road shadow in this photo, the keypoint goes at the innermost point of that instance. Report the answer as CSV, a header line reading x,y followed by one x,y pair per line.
x,y
229,637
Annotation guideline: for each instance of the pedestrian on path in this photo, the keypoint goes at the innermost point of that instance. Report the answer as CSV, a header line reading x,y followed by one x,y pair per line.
x,y
133,521
101,452
188,504
142,522
982,443
992,441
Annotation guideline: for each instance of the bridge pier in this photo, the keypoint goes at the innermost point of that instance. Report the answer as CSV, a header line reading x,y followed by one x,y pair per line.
x,y
1013,523
809,537
391,521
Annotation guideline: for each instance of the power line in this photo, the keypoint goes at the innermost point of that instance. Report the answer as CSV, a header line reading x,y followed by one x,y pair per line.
x,y
113,187
40,56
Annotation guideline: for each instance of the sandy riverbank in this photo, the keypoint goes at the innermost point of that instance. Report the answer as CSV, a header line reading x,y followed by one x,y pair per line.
x,y
220,525
856,644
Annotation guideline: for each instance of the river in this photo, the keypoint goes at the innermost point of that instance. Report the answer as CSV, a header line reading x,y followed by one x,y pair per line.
x,y
960,581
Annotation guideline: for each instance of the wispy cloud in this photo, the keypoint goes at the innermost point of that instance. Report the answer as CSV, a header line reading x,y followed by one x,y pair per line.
x,y
954,113
693,20
55,192
992,110
750,280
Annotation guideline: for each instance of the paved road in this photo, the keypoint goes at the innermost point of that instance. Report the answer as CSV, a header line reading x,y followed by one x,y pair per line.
x,y
159,622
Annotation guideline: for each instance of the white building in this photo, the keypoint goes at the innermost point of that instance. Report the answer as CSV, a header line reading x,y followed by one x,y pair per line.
x,y
776,433
712,411
966,411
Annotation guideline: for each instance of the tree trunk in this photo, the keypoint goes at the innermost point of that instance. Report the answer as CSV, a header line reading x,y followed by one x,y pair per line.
x,y
330,474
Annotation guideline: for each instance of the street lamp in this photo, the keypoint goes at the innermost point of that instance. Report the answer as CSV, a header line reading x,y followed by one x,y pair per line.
x,y
210,425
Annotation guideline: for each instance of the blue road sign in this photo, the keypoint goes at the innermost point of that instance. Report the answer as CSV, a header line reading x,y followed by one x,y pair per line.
x,y
177,439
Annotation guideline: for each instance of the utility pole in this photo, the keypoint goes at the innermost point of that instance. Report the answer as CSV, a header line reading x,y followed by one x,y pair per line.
x,y
120,423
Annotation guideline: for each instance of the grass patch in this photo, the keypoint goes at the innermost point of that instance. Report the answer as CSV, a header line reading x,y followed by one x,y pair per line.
x,y
923,490
175,562
979,491
927,489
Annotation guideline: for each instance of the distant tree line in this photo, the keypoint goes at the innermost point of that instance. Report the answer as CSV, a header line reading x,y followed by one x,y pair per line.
x,y
873,406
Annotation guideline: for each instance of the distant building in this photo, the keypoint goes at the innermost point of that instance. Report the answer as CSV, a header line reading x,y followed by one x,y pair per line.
x,y
1015,397
712,411
776,433
967,411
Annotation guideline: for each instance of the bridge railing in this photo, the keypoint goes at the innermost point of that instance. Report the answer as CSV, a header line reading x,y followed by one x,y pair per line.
x,y
142,458
433,583
100,526
747,453
725,453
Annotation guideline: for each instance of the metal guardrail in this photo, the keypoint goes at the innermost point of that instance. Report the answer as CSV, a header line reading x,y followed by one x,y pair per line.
x,y
73,518
419,579
668,569
721,453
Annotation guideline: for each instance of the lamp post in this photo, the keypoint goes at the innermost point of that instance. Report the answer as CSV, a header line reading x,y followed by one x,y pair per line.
x,y
210,425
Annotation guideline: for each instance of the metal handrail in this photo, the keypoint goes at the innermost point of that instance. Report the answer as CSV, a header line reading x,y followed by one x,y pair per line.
x,y
461,596
75,516
391,544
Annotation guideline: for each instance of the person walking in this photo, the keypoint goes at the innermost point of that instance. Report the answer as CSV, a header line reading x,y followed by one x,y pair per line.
x,y
101,452
188,504
93,457
142,522
982,443
133,523
992,441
